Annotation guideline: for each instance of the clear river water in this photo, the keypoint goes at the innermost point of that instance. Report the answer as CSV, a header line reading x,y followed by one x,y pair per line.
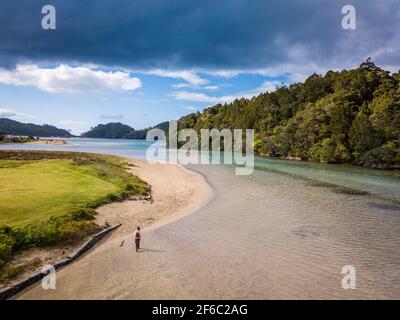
x,y
286,231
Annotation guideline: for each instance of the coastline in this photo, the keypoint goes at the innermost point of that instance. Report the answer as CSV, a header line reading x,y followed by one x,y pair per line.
x,y
177,191
394,168
278,247
56,142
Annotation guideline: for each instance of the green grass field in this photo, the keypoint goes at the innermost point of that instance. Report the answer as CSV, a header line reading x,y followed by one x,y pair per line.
x,y
48,198
31,192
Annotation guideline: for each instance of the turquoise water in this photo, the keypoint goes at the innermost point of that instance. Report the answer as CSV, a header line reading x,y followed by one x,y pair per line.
x,y
119,147
383,184
286,231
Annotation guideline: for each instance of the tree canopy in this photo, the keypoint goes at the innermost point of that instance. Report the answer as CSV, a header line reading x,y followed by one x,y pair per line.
x,y
351,116
13,127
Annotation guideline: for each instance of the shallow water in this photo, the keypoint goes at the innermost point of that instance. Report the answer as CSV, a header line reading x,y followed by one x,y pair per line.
x,y
385,184
283,232
285,239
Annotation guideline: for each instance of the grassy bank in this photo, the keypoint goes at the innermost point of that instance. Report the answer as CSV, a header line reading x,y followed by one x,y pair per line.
x,y
48,198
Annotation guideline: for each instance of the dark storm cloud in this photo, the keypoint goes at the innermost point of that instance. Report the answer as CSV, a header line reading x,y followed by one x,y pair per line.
x,y
234,34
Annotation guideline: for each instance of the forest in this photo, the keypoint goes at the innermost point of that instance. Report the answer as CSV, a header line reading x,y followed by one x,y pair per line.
x,y
12,127
349,116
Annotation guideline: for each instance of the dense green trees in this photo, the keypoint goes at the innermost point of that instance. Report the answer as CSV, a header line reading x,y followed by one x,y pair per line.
x,y
141,134
109,131
13,127
348,116
121,131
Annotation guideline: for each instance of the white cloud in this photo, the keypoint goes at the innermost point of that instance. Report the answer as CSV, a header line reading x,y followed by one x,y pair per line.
x,y
66,79
180,85
191,108
202,97
269,86
225,73
188,85
71,122
194,96
128,99
111,116
9,113
211,88
294,72
193,80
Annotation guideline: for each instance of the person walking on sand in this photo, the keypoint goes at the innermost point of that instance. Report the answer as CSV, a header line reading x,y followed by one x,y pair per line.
x,y
137,238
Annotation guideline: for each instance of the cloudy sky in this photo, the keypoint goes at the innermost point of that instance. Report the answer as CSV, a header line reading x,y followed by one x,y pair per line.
x,y
141,62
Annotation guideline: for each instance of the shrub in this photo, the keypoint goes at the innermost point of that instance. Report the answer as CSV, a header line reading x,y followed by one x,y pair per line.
x,y
76,230
13,272
83,214
5,252
6,244
383,157
77,224
111,197
323,151
55,230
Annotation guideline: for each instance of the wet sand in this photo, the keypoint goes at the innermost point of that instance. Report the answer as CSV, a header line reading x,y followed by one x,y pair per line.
x,y
176,192
265,236
55,142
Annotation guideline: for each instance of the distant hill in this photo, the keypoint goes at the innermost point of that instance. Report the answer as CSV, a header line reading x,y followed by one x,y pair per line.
x,y
109,131
120,131
141,134
13,127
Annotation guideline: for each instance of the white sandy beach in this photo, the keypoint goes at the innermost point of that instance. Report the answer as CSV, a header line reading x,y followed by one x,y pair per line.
x,y
176,192
264,236
56,142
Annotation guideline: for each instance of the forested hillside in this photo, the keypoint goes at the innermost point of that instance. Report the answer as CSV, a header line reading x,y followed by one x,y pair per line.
x,y
12,127
352,116
141,134
121,131
109,131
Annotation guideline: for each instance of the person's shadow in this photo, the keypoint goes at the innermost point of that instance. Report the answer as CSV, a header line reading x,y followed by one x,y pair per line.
x,y
150,250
